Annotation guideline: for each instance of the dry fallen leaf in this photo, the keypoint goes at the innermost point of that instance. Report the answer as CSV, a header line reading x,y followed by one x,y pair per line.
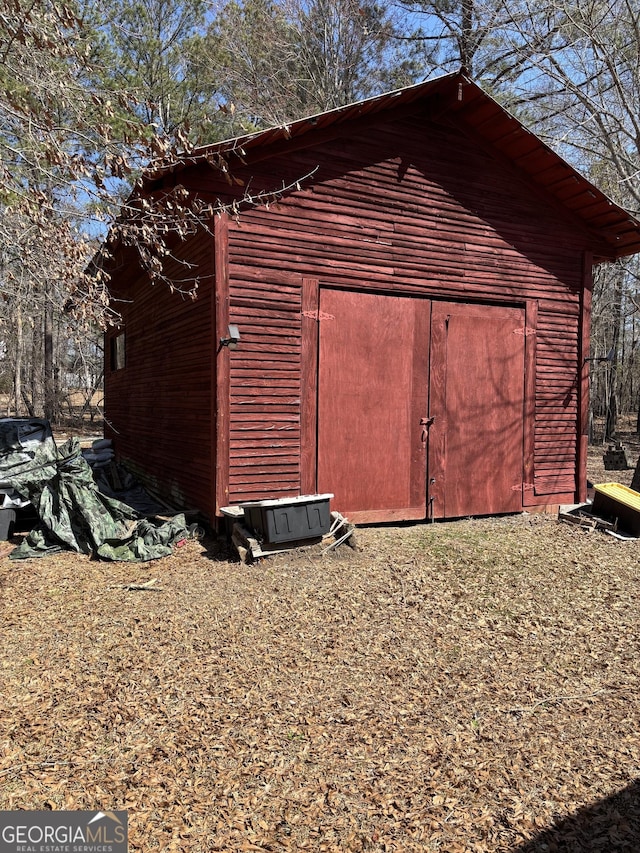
x,y
451,687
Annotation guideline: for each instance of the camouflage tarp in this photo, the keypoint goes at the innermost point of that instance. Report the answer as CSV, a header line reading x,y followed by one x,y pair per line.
x,y
19,437
73,514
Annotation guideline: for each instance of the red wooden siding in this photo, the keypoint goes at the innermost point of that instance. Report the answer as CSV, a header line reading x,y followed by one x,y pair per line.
x,y
264,437
556,420
158,408
442,220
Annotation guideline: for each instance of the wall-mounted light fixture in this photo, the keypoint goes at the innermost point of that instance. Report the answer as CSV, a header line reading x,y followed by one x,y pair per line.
x,y
234,338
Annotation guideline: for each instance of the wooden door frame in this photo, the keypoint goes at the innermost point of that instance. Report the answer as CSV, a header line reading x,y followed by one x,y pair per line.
x,y
309,386
529,403
583,377
221,370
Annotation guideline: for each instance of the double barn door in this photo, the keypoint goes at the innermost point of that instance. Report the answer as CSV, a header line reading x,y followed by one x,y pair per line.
x,y
420,406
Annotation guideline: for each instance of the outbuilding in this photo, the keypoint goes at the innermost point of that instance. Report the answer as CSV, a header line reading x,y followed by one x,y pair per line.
x,y
410,279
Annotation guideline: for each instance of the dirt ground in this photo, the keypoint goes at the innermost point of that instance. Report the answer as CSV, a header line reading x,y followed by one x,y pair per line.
x,y
465,686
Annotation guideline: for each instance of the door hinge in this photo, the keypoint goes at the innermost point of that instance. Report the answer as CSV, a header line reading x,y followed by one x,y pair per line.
x,y
525,331
318,315
526,487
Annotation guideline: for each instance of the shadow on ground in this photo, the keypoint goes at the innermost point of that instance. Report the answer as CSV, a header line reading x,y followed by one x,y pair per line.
x,y
608,826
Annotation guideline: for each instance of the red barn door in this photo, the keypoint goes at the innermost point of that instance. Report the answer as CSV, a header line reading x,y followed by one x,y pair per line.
x,y
476,442
387,366
372,393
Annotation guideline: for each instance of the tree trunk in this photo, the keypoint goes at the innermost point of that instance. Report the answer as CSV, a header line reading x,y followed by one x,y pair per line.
x,y
32,402
612,411
466,40
17,375
48,368
612,399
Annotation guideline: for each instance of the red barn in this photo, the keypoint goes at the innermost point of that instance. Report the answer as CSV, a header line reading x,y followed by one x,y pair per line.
x,y
413,313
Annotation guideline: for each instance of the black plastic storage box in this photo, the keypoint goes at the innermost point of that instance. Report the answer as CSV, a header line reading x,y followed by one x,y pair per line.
x,y
7,519
289,519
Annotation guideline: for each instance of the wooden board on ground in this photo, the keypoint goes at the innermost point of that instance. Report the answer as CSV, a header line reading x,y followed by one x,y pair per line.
x,y
249,547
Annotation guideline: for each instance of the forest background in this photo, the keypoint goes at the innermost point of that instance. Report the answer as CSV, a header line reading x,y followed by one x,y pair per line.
x,y
91,94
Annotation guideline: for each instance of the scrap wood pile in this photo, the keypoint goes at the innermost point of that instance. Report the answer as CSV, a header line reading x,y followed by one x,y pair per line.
x,y
456,687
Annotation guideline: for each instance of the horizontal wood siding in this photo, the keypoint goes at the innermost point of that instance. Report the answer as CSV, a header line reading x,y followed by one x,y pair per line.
x,y
264,432
158,408
556,419
409,207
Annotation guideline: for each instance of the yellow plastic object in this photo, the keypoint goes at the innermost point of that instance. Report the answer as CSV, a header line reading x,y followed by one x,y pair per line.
x,y
620,493
621,502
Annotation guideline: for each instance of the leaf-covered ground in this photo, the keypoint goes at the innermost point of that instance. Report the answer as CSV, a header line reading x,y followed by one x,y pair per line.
x,y
467,686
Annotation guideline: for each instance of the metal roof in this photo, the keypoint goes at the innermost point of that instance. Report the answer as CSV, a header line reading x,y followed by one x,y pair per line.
x,y
490,123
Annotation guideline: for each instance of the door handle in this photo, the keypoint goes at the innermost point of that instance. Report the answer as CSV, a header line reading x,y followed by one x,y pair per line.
x,y
425,423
